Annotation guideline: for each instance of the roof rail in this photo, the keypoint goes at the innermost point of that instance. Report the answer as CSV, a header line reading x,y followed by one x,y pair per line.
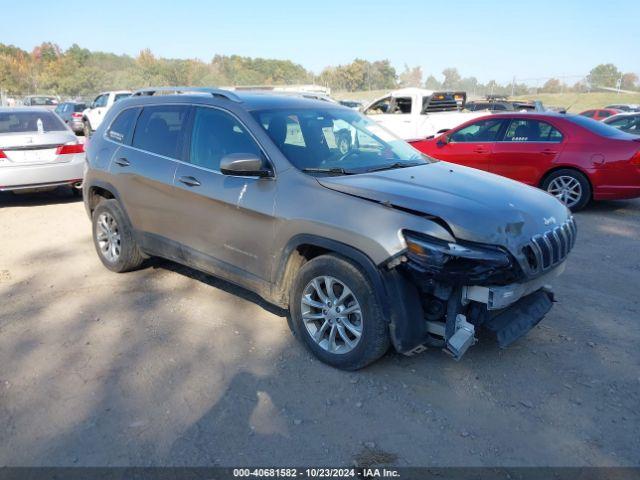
x,y
215,92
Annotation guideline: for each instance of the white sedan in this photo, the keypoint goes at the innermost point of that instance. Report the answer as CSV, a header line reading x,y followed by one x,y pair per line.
x,y
38,151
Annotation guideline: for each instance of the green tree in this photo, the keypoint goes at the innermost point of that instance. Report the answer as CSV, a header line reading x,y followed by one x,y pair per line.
x,y
552,85
604,75
451,78
629,81
411,77
432,83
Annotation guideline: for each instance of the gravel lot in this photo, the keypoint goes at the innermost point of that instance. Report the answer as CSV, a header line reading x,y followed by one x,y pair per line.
x,y
167,366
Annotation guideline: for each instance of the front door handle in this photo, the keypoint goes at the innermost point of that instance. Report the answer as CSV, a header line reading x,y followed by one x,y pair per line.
x,y
189,181
480,150
123,162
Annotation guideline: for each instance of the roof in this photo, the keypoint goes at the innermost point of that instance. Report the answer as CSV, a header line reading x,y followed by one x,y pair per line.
x,y
409,91
249,100
257,100
624,114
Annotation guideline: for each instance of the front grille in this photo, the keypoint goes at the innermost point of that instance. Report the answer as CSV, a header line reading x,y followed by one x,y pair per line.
x,y
547,250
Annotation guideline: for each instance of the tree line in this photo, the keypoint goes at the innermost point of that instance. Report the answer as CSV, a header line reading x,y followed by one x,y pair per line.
x,y
80,72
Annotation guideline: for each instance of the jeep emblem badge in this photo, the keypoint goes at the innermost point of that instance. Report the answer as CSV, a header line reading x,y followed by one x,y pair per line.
x,y
549,221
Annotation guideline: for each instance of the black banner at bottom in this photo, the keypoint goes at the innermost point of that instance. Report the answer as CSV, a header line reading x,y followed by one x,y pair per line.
x,y
405,473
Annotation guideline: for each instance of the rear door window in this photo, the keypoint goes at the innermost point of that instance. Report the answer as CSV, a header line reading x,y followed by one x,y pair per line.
x,y
122,127
401,105
481,131
120,96
160,129
217,134
526,130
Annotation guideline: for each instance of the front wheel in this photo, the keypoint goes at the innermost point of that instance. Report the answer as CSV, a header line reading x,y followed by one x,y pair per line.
x,y
336,313
569,186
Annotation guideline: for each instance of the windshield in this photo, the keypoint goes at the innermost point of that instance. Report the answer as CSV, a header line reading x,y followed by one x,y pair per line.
x,y
22,122
594,126
336,141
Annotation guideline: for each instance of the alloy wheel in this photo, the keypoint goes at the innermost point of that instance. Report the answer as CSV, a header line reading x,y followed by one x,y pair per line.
x,y
108,236
331,314
567,189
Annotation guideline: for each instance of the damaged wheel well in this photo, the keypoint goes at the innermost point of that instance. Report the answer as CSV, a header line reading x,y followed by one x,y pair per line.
x,y
303,248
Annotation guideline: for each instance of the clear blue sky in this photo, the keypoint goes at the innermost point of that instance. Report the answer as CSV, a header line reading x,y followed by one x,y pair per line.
x,y
488,39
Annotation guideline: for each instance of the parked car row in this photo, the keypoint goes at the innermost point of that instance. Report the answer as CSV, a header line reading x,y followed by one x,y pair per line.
x,y
423,253
623,116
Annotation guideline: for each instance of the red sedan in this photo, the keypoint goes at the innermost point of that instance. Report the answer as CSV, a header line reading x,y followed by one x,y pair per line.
x,y
572,157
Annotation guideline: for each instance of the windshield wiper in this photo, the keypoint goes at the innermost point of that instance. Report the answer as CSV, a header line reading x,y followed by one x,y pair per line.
x,y
333,170
395,165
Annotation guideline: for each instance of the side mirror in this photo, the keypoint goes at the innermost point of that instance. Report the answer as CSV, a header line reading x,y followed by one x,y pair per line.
x,y
244,164
443,140
92,105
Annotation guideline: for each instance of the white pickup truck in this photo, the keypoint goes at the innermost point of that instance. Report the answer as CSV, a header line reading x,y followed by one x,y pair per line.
x,y
92,116
417,113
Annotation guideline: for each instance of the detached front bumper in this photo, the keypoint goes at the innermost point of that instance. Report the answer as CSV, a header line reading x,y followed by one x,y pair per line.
x,y
451,317
499,297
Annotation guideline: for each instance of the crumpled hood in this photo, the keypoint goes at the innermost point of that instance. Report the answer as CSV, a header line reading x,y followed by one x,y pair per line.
x,y
478,206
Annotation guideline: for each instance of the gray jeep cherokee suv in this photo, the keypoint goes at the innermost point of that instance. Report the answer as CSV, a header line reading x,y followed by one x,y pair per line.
x,y
367,245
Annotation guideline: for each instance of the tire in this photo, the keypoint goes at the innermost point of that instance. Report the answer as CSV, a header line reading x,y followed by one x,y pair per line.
x,y
575,181
127,256
86,130
339,272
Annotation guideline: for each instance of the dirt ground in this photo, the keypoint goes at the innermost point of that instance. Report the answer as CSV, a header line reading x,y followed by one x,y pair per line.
x,y
167,366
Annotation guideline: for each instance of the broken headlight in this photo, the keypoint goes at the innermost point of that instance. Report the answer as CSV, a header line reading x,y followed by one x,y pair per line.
x,y
457,262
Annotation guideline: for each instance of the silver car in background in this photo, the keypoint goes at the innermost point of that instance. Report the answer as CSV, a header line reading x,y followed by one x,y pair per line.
x,y
38,151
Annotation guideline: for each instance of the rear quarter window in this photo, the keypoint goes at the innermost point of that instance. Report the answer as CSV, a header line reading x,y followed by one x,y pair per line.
x,y
121,128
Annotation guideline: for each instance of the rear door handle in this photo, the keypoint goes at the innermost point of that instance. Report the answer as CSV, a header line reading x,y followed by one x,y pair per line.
x,y
548,151
189,181
123,162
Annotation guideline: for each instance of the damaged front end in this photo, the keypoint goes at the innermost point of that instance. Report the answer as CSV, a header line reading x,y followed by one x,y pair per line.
x,y
460,288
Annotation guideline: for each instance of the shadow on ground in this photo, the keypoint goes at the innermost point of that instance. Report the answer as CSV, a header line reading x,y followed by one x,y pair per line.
x,y
168,366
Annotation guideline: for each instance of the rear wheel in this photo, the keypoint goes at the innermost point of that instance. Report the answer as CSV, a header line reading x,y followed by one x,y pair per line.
x,y
569,186
113,239
336,314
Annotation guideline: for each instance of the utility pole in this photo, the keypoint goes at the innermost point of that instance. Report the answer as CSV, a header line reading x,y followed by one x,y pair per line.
x,y
513,85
